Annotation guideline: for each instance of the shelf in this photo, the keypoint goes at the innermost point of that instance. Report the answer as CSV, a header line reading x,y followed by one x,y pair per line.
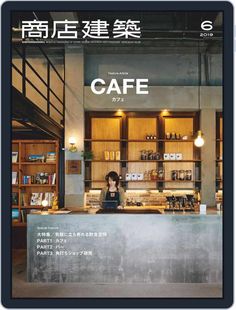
x,y
219,140
18,224
37,185
36,163
31,168
102,140
148,181
144,161
219,160
177,188
140,140
132,140
104,161
31,207
34,141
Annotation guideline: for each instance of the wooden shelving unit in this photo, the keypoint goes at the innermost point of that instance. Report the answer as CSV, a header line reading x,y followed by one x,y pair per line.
x,y
24,167
144,161
139,140
219,151
126,133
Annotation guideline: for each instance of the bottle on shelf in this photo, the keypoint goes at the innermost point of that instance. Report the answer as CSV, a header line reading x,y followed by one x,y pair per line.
x,y
167,136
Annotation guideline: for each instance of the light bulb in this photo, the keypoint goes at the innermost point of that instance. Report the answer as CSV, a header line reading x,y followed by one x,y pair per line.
x,y
72,140
199,141
44,203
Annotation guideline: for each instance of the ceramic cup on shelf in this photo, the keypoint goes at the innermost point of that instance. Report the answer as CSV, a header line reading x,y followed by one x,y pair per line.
x,y
117,155
106,155
112,155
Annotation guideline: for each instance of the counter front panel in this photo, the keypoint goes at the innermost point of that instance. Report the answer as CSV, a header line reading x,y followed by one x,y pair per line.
x,y
124,248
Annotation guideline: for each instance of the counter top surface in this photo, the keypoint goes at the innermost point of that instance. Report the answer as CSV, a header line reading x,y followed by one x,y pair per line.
x,y
158,210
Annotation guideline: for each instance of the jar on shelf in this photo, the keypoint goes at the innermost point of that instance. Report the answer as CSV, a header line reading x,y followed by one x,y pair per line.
x,y
150,155
189,175
174,175
143,155
182,174
161,174
168,135
173,136
154,175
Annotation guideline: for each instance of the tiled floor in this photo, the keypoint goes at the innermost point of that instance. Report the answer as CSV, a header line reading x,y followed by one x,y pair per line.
x,y
44,290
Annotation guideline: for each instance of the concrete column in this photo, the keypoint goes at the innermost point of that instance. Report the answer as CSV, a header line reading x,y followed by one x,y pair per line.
x,y
208,172
74,120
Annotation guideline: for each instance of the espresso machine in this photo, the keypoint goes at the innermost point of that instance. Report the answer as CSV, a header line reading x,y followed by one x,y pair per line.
x,y
171,203
190,200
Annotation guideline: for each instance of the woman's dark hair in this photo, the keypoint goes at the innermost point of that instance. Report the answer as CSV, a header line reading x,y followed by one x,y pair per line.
x,y
114,176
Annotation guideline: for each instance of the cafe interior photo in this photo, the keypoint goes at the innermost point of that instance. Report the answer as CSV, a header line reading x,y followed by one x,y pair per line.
x,y
145,115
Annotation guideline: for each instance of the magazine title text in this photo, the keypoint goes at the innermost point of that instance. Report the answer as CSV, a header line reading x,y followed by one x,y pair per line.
x,y
95,29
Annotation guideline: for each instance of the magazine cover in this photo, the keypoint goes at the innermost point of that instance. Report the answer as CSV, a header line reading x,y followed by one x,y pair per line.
x,y
118,117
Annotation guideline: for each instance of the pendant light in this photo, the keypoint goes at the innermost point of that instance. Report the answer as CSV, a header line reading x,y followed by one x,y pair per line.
x,y
199,141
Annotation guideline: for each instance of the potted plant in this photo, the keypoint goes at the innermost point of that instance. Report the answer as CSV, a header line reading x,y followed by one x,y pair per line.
x,y
87,155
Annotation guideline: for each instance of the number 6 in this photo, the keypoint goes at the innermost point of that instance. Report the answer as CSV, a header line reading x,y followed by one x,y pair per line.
x,y
206,25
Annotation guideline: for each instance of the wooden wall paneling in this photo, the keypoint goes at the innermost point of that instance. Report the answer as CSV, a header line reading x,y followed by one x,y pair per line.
x,y
138,127
98,148
135,126
41,148
180,125
87,147
135,148
141,168
219,150
183,126
106,128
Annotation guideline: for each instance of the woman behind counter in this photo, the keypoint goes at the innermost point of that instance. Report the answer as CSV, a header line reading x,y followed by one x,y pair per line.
x,y
113,191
